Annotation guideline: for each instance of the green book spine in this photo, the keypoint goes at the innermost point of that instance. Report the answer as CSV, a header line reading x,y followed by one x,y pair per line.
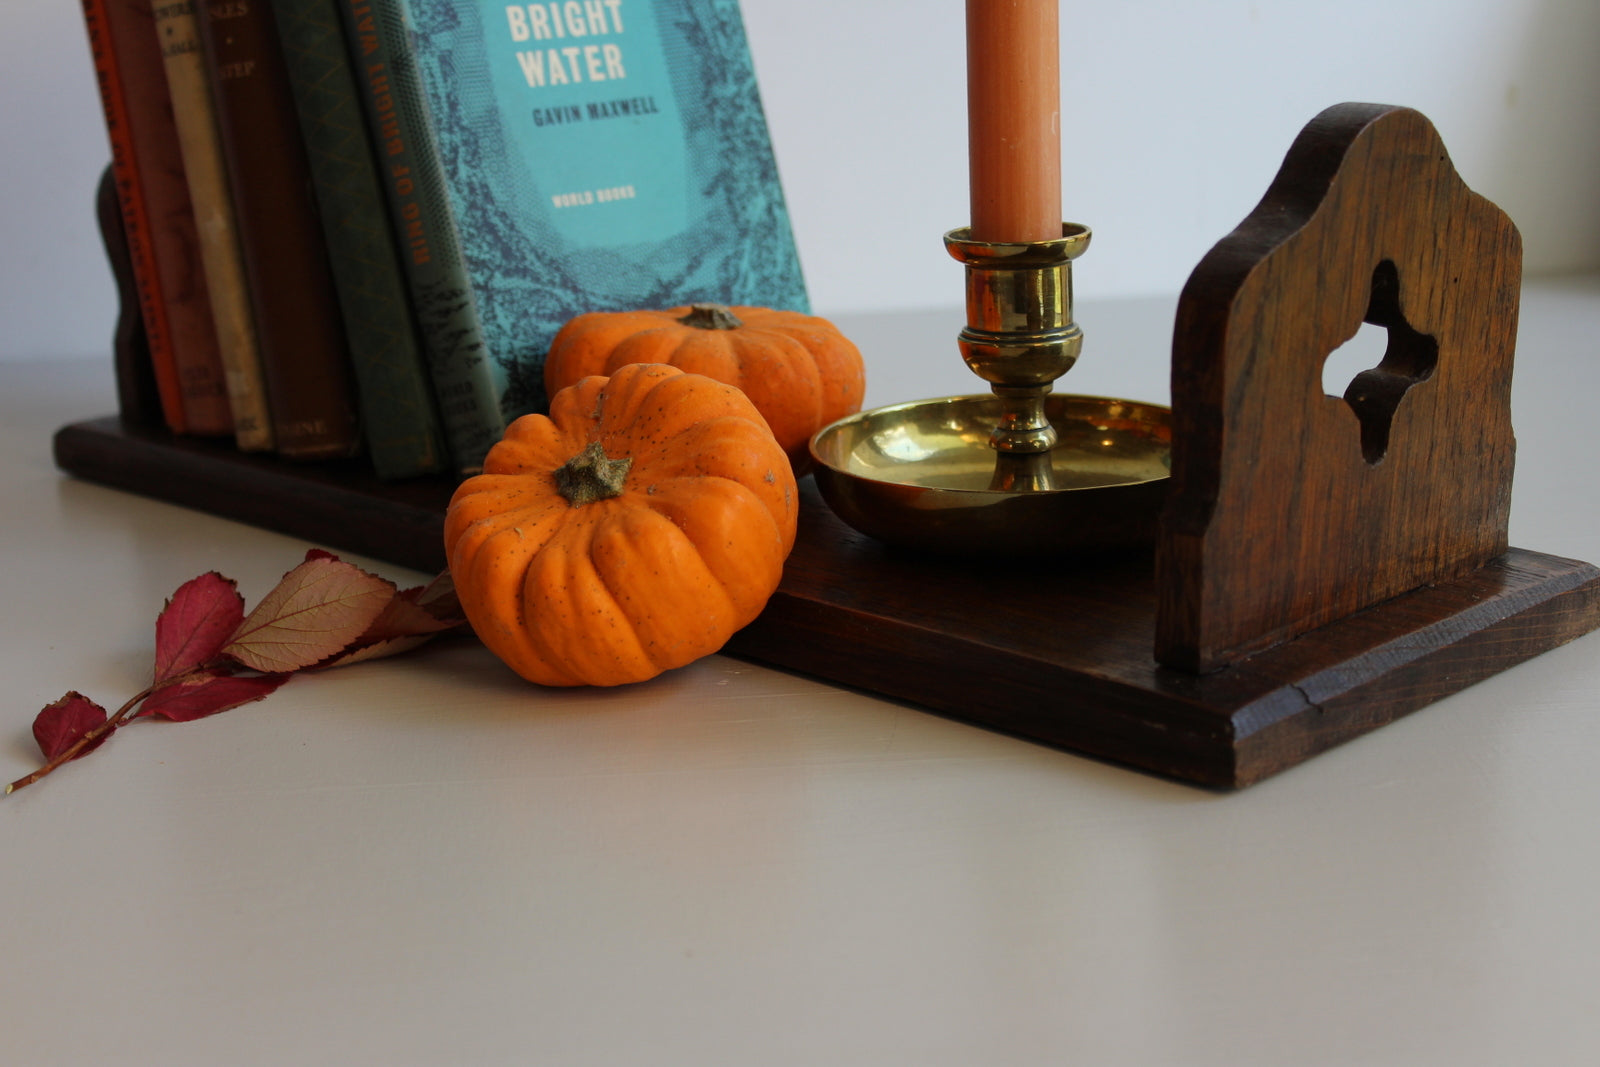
x,y
430,257
394,395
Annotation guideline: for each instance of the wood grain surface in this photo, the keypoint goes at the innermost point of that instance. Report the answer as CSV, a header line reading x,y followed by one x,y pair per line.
x,y
1289,507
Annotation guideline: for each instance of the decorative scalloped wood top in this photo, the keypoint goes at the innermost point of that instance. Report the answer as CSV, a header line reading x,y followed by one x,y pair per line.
x,y
1290,508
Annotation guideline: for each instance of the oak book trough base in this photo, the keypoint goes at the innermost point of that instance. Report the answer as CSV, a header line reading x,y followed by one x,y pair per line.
x,y
1324,566
1063,658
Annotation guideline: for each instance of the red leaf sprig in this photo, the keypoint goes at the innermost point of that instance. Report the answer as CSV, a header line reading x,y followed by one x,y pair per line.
x,y
211,656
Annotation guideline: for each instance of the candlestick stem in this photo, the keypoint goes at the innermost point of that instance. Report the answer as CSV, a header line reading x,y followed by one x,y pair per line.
x,y
1020,338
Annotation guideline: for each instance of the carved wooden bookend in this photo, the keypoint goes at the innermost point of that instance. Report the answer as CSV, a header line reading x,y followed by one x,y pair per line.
x,y
1290,508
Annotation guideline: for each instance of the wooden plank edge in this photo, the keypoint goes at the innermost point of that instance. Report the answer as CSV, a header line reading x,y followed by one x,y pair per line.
x,y
1168,733
289,498
993,688
1547,609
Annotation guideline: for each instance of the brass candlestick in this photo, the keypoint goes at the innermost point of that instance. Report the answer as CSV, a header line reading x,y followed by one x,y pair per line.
x,y
1020,338
1019,470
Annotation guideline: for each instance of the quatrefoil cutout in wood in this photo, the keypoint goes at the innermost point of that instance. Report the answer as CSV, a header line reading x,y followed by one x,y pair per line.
x,y
1408,360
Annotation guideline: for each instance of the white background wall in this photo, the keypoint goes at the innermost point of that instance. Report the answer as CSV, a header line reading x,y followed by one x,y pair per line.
x,y
1177,114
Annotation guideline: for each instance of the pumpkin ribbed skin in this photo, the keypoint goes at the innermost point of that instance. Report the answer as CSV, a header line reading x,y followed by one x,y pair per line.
x,y
799,370
619,589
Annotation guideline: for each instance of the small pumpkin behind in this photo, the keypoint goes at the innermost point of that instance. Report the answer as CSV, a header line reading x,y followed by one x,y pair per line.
x,y
630,531
799,370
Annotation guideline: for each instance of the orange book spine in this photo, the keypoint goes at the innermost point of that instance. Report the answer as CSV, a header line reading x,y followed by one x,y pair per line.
x,y
138,84
135,219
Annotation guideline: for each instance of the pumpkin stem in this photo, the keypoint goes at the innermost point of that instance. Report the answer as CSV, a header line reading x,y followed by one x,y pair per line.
x,y
592,475
711,317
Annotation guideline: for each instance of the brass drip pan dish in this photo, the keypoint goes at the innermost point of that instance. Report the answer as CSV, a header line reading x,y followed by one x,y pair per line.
x,y
918,475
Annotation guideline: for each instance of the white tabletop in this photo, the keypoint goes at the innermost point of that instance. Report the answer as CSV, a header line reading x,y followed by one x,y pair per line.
x,y
426,860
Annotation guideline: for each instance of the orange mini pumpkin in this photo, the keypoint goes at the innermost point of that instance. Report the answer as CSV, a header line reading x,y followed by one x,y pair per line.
x,y
631,531
799,370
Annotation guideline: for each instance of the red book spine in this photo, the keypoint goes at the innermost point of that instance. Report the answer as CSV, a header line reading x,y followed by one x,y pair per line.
x,y
159,217
135,220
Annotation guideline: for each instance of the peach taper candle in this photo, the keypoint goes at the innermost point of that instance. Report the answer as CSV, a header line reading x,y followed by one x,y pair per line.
x,y
1014,119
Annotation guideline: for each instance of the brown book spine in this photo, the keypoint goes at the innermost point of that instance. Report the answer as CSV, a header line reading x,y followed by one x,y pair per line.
x,y
301,334
157,217
195,114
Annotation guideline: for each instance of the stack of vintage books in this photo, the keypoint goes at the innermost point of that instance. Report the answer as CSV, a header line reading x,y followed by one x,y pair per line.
x,y
352,226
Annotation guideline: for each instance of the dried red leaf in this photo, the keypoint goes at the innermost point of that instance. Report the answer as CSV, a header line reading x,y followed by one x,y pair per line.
x,y
325,612
410,619
361,651
207,694
60,725
311,615
403,617
199,619
438,598
402,626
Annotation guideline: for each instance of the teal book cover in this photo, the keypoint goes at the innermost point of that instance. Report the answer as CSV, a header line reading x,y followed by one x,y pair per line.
x,y
600,155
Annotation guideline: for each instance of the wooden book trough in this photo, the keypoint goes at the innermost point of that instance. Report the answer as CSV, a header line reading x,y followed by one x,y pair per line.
x,y
1325,564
